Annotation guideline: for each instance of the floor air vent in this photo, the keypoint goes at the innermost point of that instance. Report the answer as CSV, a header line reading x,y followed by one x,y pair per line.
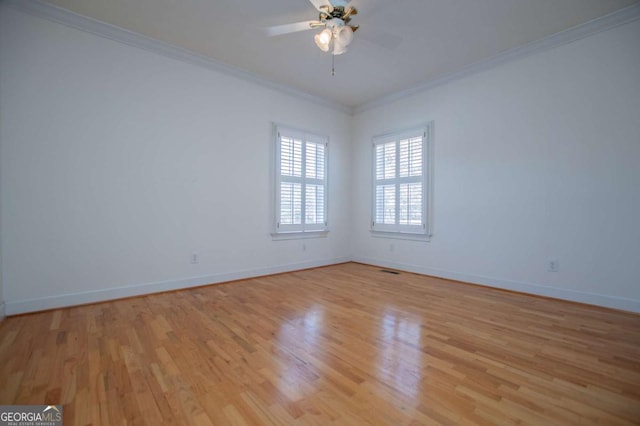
x,y
389,272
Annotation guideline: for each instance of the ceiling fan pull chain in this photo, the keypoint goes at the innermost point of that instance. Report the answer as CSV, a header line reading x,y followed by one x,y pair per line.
x,y
333,65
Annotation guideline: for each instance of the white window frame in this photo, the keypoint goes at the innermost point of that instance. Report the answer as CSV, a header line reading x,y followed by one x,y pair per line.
x,y
302,230
413,232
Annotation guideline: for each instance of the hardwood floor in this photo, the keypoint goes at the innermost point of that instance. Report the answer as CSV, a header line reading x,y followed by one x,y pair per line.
x,y
346,344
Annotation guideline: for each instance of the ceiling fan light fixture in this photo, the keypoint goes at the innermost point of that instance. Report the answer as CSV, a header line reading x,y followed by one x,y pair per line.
x,y
323,39
339,50
344,35
334,18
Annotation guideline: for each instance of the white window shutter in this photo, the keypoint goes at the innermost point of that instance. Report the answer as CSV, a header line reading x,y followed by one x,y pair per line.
x,y
301,182
399,182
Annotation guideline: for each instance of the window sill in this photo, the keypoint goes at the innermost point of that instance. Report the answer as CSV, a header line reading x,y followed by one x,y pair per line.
x,y
298,235
401,236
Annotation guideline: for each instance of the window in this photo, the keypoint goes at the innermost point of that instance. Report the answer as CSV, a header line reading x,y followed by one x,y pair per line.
x,y
400,184
301,182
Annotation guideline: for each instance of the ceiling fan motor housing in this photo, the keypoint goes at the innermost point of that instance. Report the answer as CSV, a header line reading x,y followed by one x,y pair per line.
x,y
337,12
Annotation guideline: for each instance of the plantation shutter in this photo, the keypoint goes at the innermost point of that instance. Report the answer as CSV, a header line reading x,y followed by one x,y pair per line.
x,y
399,183
385,210
301,182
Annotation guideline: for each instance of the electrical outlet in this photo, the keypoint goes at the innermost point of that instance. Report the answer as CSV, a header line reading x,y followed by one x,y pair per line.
x,y
195,258
553,266
392,248
304,247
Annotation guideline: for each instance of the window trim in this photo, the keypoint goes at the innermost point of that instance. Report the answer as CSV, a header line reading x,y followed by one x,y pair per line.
x,y
287,232
396,230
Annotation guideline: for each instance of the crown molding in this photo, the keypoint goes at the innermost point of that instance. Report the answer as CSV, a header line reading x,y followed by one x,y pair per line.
x,y
57,14
65,17
606,22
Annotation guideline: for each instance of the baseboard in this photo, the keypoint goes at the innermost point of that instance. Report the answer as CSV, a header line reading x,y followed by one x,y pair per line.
x,y
620,303
73,299
81,298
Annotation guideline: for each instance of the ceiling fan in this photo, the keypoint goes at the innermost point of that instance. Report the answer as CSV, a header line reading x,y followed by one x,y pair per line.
x,y
334,16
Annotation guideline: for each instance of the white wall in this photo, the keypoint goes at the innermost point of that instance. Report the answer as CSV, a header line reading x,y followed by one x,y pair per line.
x,y
2,304
117,163
537,159
111,157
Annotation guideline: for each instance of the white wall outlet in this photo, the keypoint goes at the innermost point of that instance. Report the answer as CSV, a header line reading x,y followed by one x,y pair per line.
x,y
304,247
195,258
553,266
392,248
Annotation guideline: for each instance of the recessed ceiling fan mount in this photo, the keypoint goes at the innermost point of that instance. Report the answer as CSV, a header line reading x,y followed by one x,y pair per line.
x,y
334,16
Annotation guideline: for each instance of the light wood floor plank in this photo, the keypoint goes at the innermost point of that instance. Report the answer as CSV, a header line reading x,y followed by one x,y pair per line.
x,y
345,345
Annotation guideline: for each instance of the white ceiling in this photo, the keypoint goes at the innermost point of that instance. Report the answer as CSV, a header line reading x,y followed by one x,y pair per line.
x,y
400,43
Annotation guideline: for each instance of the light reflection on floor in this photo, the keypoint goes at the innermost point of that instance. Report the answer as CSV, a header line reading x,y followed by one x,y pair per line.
x,y
398,358
302,334
397,364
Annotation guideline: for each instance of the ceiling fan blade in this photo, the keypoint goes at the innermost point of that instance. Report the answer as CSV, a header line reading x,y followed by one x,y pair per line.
x,y
291,28
342,3
318,4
